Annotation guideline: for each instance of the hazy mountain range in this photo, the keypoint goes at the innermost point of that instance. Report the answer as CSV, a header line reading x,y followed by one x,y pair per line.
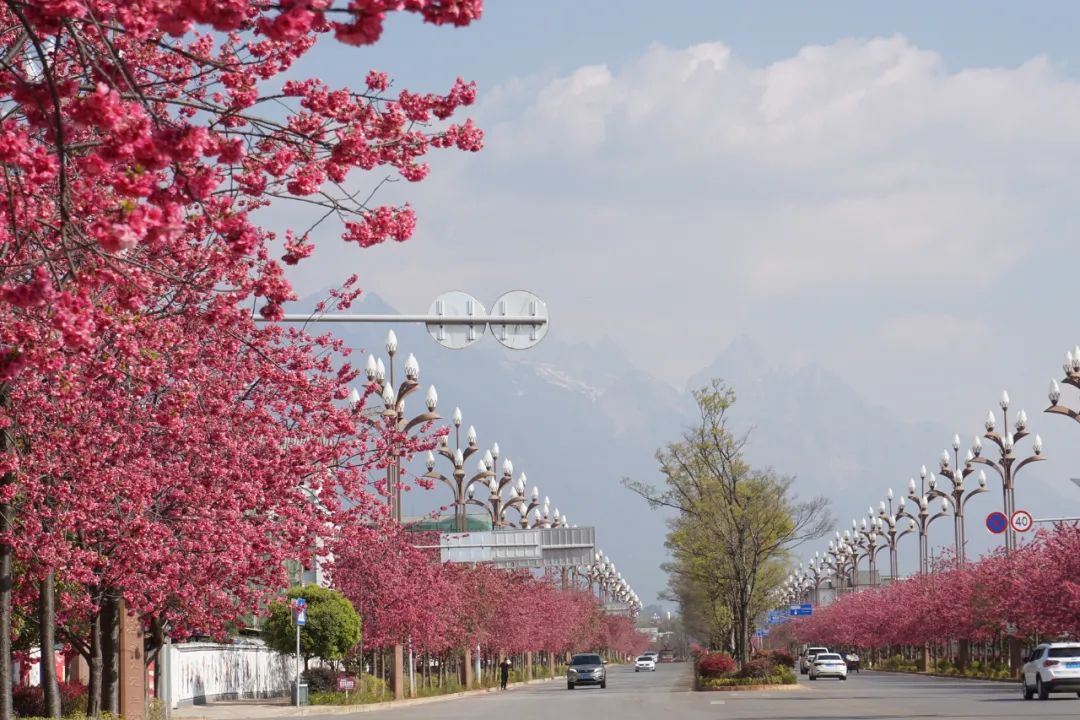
x,y
577,418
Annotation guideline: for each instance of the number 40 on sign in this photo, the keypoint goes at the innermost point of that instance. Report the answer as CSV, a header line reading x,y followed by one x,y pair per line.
x,y
1020,521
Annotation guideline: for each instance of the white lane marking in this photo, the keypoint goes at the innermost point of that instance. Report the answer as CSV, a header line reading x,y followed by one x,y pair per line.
x,y
716,702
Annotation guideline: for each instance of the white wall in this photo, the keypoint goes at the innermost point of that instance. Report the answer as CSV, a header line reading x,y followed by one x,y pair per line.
x,y
204,672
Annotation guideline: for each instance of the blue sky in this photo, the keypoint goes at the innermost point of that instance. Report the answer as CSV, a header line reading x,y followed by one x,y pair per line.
x,y
517,38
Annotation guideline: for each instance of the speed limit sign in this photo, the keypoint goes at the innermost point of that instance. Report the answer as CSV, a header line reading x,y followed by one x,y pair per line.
x,y
1020,521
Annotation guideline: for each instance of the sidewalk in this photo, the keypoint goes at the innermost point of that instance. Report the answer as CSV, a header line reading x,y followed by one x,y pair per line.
x,y
280,707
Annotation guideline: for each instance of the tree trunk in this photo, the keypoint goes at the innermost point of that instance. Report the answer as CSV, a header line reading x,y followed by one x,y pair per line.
x,y
93,684
7,578
47,638
155,641
110,655
742,632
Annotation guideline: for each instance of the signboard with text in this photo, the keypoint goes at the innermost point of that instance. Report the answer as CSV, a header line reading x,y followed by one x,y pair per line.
x,y
1020,521
804,610
299,612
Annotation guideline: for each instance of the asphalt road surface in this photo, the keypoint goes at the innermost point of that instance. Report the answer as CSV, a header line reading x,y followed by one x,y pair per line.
x,y
664,695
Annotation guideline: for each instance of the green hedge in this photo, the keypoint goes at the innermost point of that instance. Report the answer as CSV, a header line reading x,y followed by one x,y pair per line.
x,y
785,677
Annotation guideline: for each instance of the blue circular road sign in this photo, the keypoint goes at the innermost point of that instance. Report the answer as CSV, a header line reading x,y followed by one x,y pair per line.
x,y
996,522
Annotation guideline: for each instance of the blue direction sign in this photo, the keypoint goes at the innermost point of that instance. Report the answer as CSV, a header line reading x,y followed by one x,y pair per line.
x,y
996,522
776,617
299,608
801,610
761,632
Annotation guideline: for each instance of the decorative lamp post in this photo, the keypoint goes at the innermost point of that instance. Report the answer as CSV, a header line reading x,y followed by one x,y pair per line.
x,y
868,539
956,495
892,533
458,483
494,504
1007,465
816,573
839,554
394,410
921,520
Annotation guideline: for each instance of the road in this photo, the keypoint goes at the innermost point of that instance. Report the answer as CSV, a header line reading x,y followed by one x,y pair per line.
x,y
663,695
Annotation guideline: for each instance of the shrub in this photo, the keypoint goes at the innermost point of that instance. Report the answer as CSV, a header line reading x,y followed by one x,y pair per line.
x,y
374,690
758,668
784,676
775,658
320,679
714,665
29,700
782,658
898,663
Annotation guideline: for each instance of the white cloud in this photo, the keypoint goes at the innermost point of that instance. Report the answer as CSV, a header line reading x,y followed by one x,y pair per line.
x,y
864,162
690,196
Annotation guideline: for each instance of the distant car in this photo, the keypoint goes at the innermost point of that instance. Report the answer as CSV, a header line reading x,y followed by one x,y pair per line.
x,y
653,654
828,664
808,658
1051,667
645,662
666,656
586,669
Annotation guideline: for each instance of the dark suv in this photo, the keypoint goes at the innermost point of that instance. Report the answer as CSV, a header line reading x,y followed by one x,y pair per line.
x,y
586,669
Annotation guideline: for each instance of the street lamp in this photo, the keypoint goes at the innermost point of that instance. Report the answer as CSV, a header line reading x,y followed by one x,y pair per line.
x,y
497,507
531,512
867,537
457,482
394,411
1007,465
807,580
494,504
956,496
816,573
921,521
893,533
840,556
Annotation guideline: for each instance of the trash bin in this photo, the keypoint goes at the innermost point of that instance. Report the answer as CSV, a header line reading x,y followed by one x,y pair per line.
x,y
300,698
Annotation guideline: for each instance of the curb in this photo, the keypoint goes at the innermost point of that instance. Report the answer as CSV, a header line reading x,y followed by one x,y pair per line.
x,y
1012,681
349,709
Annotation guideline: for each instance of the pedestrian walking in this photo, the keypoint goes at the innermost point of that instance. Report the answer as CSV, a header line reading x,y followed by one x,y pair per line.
x,y
504,672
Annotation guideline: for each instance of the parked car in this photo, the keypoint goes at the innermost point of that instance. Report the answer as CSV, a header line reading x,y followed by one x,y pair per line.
x,y
827,664
586,669
808,658
645,662
1051,667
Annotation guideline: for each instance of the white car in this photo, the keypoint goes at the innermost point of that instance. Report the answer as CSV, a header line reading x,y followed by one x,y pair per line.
x,y
828,665
808,658
645,662
1051,667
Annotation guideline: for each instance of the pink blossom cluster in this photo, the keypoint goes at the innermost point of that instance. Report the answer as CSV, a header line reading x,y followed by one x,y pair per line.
x,y
162,448
997,595
402,593
141,134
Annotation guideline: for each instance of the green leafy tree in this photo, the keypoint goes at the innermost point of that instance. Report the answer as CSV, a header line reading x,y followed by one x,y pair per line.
x,y
734,527
332,629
